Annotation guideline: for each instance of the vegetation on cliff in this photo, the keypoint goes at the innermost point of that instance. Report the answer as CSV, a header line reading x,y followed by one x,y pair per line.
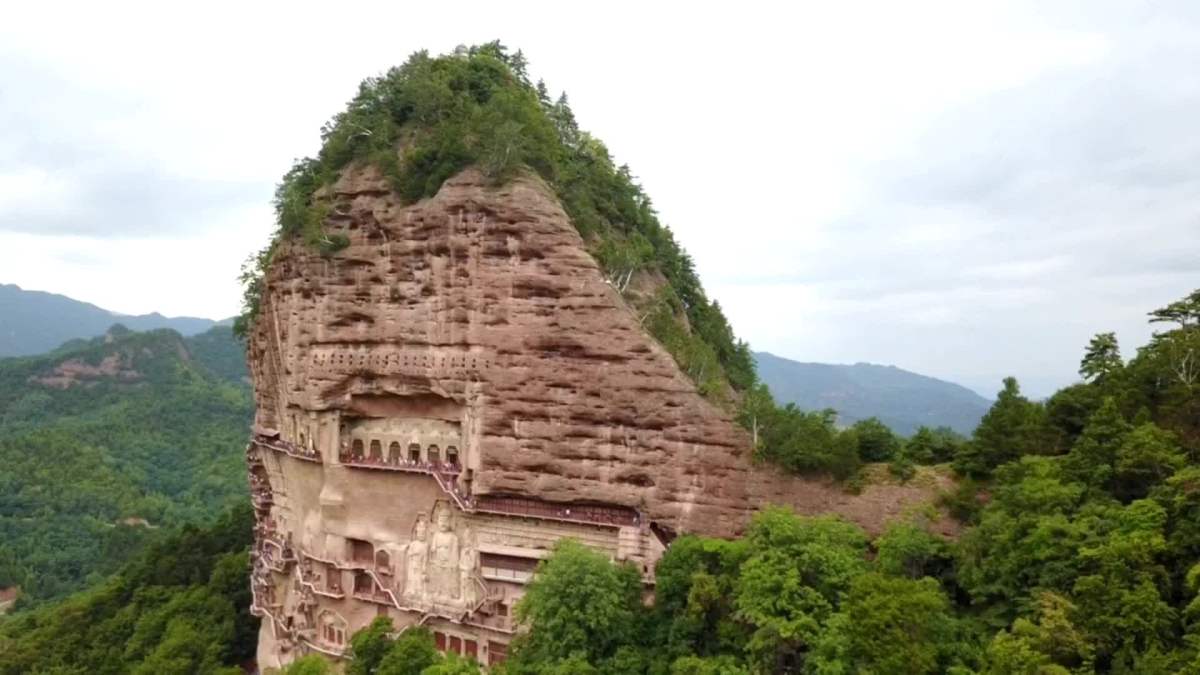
x,y
103,442
432,117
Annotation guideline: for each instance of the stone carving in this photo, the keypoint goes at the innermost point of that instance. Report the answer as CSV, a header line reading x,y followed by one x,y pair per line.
x,y
468,563
441,568
416,556
443,560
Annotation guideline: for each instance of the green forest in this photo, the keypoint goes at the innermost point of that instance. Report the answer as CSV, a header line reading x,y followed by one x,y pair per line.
x,y
180,605
96,465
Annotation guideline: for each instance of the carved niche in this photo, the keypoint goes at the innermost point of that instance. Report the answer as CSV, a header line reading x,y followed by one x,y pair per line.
x,y
441,565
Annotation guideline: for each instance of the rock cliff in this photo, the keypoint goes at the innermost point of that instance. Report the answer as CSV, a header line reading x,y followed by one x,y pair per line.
x,y
480,306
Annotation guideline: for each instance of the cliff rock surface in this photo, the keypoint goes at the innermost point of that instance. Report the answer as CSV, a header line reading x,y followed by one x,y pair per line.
x,y
482,305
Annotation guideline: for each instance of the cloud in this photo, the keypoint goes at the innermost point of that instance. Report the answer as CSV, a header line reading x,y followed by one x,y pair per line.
x,y
1010,227
75,160
969,190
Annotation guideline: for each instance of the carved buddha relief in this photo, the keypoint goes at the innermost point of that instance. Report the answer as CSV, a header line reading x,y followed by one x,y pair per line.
x,y
416,555
442,566
443,560
468,562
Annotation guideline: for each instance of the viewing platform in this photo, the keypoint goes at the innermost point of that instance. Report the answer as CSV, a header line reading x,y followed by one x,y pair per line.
x,y
364,462
287,448
612,516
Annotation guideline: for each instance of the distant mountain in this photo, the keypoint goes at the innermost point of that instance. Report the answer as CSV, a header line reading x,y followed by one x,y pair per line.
x,y
901,399
34,322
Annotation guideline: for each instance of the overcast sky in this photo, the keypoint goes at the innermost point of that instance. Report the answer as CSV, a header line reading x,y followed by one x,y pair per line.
x,y
961,189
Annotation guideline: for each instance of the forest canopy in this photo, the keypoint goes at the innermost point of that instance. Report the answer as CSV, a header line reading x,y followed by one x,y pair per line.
x,y
95,468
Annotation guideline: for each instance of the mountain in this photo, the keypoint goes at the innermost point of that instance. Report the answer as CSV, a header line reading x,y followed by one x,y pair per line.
x,y
452,350
104,441
901,399
32,322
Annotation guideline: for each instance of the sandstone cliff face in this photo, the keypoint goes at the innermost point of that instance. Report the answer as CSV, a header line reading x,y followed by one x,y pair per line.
x,y
481,307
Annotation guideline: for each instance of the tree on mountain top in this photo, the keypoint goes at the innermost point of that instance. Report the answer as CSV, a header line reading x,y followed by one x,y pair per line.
x,y
1012,428
1102,358
1093,456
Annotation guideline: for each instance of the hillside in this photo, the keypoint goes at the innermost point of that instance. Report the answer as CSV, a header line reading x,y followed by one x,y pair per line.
x,y
33,322
182,605
102,441
901,399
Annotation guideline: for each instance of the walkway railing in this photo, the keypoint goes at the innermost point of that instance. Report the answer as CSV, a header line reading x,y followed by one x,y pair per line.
x,y
447,474
388,596
290,449
583,515
335,594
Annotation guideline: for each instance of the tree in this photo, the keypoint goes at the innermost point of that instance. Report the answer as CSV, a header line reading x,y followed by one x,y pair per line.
x,y
1050,645
452,664
1181,346
368,647
1184,312
1094,453
1069,408
1179,496
902,467
1013,427
932,446
906,549
694,584
787,589
1028,537
889,625
1119,590
410,654
800,441
716,665
578,602
1146,457
876,442
312,664
1102,358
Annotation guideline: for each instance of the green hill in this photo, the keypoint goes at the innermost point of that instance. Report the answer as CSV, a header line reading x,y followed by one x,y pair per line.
x,y
103,441
182,605
901,399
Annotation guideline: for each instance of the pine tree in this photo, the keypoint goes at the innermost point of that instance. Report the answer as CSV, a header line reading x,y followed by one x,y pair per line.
x,y
1093,457
1014,426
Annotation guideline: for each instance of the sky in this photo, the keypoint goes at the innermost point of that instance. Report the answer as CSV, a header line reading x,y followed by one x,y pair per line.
x,y
965,190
